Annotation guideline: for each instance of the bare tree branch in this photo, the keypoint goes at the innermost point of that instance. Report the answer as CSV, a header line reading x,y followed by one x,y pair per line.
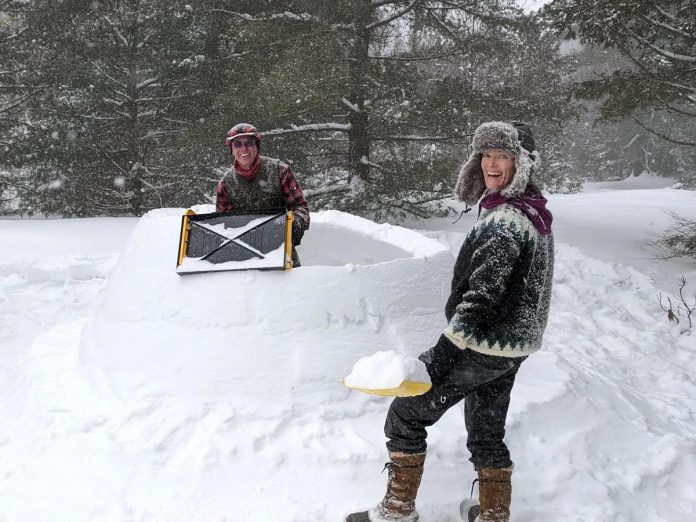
x,y
321,127
664,136
679,240
380,3
106,75
662,52
389,19
680,111
14,35
665,13
667,27
443,26
441,56
396,137
331,189
18,102
656,78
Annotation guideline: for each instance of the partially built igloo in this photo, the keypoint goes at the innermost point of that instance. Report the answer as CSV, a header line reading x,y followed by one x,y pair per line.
x,y
363,287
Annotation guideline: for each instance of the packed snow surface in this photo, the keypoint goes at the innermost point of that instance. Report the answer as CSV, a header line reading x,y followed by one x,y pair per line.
x,y
130,393
258,334
386,370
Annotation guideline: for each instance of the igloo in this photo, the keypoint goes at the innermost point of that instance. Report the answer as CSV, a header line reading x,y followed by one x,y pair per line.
x,y
363,287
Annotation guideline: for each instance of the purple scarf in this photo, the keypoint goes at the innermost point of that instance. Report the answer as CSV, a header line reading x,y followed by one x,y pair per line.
x,y
533,206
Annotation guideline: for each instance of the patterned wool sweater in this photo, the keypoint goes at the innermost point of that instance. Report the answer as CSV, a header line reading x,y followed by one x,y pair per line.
x,y
501,289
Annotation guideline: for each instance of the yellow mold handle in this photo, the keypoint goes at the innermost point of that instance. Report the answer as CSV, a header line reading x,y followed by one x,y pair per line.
x,y
183,240
290,217
405,389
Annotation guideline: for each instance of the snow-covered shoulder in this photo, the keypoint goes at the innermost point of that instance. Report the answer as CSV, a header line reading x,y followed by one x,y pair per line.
x,y
362,287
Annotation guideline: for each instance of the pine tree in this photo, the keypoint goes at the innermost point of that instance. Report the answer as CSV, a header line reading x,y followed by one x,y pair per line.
x,y
658,40
373,102
656,87
113,98
377,100
15,94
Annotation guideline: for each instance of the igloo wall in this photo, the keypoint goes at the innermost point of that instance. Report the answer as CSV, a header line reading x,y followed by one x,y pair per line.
x,y
363,287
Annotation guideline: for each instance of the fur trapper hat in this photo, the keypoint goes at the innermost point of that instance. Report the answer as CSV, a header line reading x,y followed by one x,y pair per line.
x,y
515,137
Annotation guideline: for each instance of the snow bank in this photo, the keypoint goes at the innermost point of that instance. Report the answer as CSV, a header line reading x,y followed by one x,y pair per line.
x,y
601,423
642,181
363,287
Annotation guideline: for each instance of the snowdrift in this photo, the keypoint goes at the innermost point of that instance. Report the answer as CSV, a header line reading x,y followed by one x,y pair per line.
x,y
601,423
363,287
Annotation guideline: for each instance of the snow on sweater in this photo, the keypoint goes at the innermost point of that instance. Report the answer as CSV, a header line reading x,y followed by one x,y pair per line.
x,y
501,288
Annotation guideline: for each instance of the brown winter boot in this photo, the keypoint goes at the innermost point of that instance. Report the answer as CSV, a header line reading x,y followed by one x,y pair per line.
x,y
399,503
495,494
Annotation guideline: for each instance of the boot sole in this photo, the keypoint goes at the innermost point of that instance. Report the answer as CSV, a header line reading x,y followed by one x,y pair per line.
x,y
469,510
364,516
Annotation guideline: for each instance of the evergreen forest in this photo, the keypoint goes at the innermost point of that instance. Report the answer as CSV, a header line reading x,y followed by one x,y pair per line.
x,y
116,107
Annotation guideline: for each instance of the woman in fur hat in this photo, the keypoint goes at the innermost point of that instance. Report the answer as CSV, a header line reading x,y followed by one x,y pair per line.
x,y
496,313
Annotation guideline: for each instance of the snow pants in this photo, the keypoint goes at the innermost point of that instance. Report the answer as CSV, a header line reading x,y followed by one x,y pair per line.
x,y
295,259
485,383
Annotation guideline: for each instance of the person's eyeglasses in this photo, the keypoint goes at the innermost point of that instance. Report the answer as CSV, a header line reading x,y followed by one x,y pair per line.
x,y
238,144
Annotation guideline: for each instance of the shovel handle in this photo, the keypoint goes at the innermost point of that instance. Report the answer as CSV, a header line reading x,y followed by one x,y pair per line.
x,y
290,217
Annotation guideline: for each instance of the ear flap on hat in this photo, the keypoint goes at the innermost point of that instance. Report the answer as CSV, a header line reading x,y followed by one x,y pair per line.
x,y
470,184
527,159
523,170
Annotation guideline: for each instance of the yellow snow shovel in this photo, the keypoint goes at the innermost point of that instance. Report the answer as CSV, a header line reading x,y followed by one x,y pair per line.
x,y
405,389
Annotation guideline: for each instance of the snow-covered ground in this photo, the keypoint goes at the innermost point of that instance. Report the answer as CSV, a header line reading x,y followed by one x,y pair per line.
x,y
601,425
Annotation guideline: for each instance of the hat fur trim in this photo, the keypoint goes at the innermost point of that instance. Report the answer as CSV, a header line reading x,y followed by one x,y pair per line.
x,y
495,135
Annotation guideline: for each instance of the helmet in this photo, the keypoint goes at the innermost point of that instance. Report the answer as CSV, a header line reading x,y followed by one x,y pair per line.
x,y
243,129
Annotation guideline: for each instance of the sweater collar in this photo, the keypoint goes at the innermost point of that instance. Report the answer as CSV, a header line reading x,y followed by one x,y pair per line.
x,y
532,204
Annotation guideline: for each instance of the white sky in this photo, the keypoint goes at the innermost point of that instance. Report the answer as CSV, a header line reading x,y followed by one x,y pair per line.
x,y
532,5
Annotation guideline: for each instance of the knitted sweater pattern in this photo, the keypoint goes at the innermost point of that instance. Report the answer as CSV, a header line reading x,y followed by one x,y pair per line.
x,y
501,289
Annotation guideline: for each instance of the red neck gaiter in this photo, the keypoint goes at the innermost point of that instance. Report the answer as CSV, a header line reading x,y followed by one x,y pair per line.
x,y
250,173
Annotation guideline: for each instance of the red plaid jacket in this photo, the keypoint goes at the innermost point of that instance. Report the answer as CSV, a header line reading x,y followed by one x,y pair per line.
x,y
292,193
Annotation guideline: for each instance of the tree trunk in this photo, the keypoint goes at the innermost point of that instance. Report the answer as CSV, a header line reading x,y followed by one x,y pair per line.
x,y
359,135
133,156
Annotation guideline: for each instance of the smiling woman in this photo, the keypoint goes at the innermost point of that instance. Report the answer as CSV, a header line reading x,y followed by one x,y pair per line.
x,y
498,167
259,183
244,152
497,313
167,453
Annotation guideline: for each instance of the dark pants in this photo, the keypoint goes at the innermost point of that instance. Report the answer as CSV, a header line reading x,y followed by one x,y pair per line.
x,y
485,383
295,259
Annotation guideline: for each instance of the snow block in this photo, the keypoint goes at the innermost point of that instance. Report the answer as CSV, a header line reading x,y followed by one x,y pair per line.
x,y
362,287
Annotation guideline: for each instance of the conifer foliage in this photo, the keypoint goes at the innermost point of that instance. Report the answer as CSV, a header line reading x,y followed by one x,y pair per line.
x,y
658,38
376,100
111,85
119,106
657,87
